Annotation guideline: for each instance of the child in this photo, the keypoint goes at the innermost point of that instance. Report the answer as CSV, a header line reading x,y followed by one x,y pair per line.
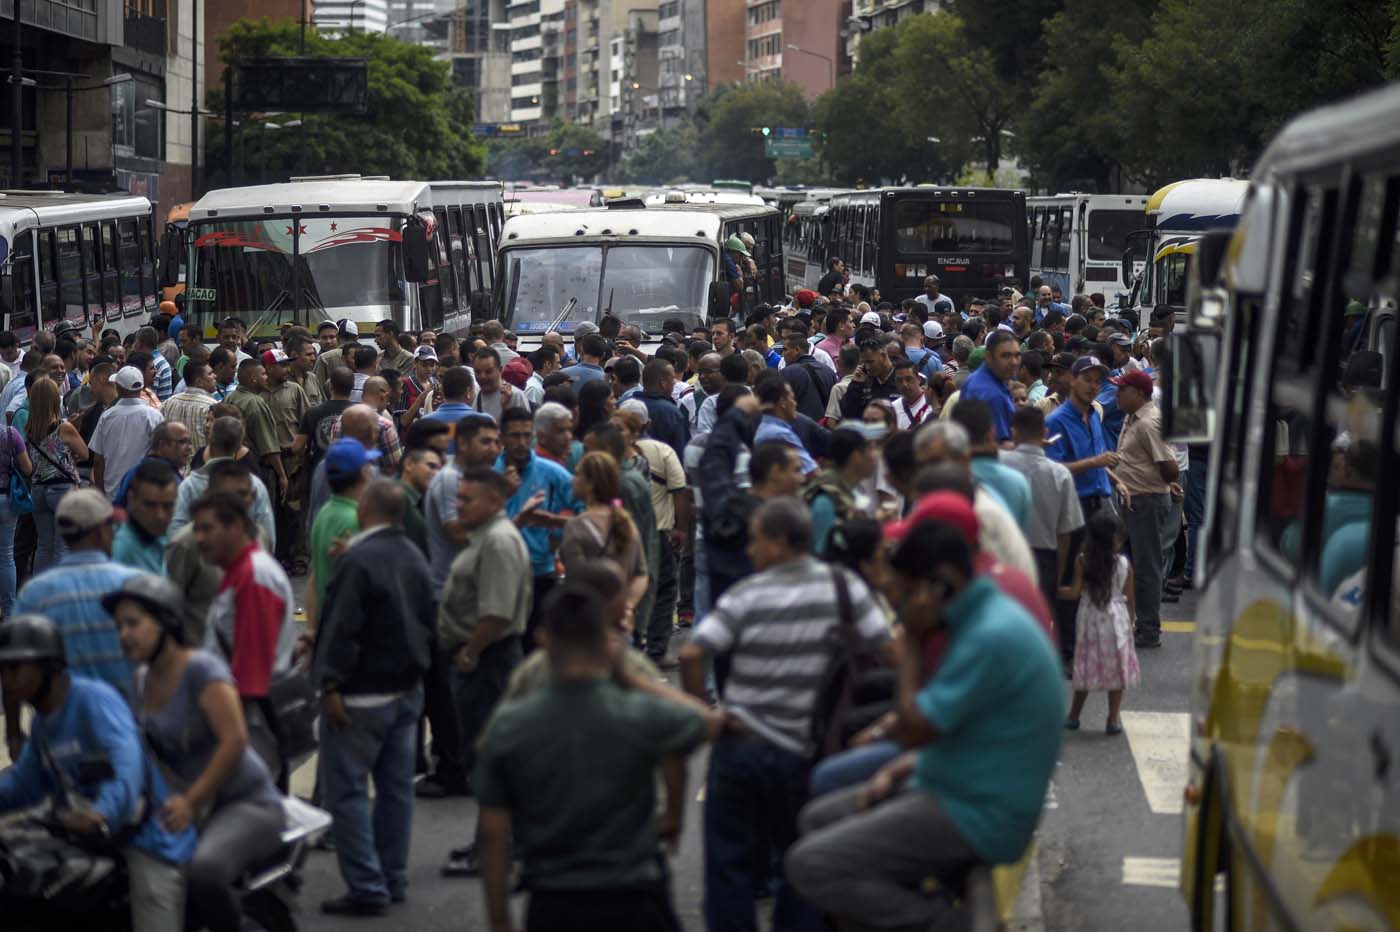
x,y
1104,657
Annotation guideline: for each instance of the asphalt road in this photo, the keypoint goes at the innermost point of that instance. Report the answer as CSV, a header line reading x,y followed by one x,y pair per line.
x,y
1110,837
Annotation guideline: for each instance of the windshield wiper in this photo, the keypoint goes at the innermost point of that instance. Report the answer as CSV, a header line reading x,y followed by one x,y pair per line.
x,y
563,315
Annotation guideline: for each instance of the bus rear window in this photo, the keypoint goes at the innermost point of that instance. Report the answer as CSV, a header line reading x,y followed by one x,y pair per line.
x,y
943,226
1109,229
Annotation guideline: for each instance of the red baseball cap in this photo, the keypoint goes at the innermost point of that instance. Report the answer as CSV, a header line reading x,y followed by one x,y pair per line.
x,y
1135,378
939,506
805,297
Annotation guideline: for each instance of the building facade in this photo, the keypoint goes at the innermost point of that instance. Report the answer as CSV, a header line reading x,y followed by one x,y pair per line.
x,y
798,42
351,15
681,65
724,48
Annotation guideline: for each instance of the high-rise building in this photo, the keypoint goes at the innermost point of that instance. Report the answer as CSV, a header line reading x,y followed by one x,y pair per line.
x,y
351,15
724,42
796,42
536,39
681,66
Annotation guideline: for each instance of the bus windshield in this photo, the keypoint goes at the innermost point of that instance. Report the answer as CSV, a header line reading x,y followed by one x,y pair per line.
x,y
280,266
643,285
1108,232
946,226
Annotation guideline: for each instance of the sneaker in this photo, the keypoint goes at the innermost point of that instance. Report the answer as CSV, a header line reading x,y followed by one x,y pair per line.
x,y
462,862
1071,724
353,906
1113,728
1147,641
1180,582
433,788
1171,587
685,618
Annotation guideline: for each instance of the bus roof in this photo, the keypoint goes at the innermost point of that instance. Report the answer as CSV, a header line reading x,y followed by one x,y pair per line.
x,y
59,206
355,195
684,220
935,190
1097,201
1329,135
1198,204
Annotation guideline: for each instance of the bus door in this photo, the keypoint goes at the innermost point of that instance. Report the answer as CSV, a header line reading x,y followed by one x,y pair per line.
x,y
20,297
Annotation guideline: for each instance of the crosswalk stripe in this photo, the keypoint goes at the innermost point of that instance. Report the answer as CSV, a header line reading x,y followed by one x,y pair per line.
x,y
1150,872
1160,742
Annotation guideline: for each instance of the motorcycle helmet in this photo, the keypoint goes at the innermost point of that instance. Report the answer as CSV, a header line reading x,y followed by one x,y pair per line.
x,y
32,637
158,596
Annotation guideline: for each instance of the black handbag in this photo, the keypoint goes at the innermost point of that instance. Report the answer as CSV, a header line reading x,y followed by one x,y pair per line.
x,y
856,688
292,707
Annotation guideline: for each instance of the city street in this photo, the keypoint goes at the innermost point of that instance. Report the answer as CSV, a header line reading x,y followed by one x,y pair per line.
x,y
1106,857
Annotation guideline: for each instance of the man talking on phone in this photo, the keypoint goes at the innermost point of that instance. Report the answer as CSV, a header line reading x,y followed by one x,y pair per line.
x,y
873,379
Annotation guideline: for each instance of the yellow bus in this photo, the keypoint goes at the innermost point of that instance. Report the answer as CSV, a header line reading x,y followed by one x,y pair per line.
x,y
1292,805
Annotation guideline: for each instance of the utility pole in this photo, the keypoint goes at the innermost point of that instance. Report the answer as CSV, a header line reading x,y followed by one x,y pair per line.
x,y
17,106
195,180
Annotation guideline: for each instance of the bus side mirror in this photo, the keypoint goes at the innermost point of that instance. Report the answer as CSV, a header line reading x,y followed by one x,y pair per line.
x,y
718,305
415,250
481,305
172,246
1188,386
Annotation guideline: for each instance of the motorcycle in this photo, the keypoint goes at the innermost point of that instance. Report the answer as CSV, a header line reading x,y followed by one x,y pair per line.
x,y
48,879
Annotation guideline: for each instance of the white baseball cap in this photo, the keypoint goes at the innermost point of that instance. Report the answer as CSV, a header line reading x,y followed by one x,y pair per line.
x,y
933,330
129,378
870,317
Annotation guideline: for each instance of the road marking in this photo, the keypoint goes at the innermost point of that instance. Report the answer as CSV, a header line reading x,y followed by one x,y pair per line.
x,y
1179,627
1051,800
1151,872
1160,742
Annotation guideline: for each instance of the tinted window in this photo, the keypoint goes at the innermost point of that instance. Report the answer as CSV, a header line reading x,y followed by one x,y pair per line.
x,y
1108,232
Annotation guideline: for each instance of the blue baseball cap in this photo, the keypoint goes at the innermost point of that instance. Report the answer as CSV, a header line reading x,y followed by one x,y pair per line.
x,y
346,457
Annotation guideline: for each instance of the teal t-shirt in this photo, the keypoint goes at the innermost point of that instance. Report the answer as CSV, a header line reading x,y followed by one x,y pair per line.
x,y
132,548
1009,484
998,702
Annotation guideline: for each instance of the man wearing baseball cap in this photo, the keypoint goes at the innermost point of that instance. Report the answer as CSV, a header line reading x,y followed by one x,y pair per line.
x,y
1148,470
287,401
1076,439
123,433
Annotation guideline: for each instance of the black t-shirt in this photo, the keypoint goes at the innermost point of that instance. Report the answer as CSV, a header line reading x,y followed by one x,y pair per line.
x,y
316,425
829,281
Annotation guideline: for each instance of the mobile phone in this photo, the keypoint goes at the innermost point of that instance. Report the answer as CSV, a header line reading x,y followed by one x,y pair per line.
x,y
1054,439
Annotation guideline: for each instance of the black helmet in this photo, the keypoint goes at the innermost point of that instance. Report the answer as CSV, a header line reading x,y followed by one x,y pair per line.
x,y
64,327
157,595
31,637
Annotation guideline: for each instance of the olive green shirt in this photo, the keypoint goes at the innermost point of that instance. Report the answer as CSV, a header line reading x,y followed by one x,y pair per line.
x,y
288,403
398,359
538,751
489,578
259,426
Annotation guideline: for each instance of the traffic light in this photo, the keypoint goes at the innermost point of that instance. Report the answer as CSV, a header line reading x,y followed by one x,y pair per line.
x,y
553,151
767,131
587,151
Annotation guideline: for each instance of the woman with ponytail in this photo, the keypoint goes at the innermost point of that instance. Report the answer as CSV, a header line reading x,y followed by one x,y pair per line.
x,y
604,529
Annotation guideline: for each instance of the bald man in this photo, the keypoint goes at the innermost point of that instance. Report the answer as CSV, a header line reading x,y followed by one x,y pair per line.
x,y
360,423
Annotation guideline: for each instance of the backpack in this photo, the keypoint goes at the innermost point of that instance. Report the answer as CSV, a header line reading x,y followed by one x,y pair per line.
x,y
856,688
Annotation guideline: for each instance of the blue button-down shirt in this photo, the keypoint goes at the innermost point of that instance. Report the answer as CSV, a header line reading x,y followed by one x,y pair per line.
x,y
70,592
668,424
776,430
1079,439
554,480
1112,414
986,387
584,372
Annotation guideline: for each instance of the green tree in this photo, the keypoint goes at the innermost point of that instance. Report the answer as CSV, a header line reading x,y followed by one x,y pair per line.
x,y
574,151
1012,33
665,156
417,123
951,90
1069,134
729,147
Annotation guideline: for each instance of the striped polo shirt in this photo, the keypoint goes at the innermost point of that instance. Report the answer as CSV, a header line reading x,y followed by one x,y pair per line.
x,y
775,625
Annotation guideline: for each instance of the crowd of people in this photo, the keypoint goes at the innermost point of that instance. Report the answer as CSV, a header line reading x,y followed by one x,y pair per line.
x,y
873,539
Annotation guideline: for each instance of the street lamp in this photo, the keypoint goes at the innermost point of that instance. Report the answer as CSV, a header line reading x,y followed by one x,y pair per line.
x,y
830,63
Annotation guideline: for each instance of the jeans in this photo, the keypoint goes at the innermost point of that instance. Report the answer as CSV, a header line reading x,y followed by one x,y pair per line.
x,y
475,694
1145,518
852,767
754,789
8,519
371,842
663,610
1195,507
700,600
544,584
440,713
237,835
50,543
869,865
685,576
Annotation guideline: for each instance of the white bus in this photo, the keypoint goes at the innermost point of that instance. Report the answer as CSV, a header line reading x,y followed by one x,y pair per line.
x,y
1176,218
83,258
645,265
367,249
805,244
1077,241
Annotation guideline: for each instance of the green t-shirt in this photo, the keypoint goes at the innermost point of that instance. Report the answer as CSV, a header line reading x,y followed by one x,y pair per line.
x,y
338,519
544,757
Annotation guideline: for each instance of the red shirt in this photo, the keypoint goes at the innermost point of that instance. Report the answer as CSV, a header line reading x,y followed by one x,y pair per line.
x,y
1012,582
251,617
